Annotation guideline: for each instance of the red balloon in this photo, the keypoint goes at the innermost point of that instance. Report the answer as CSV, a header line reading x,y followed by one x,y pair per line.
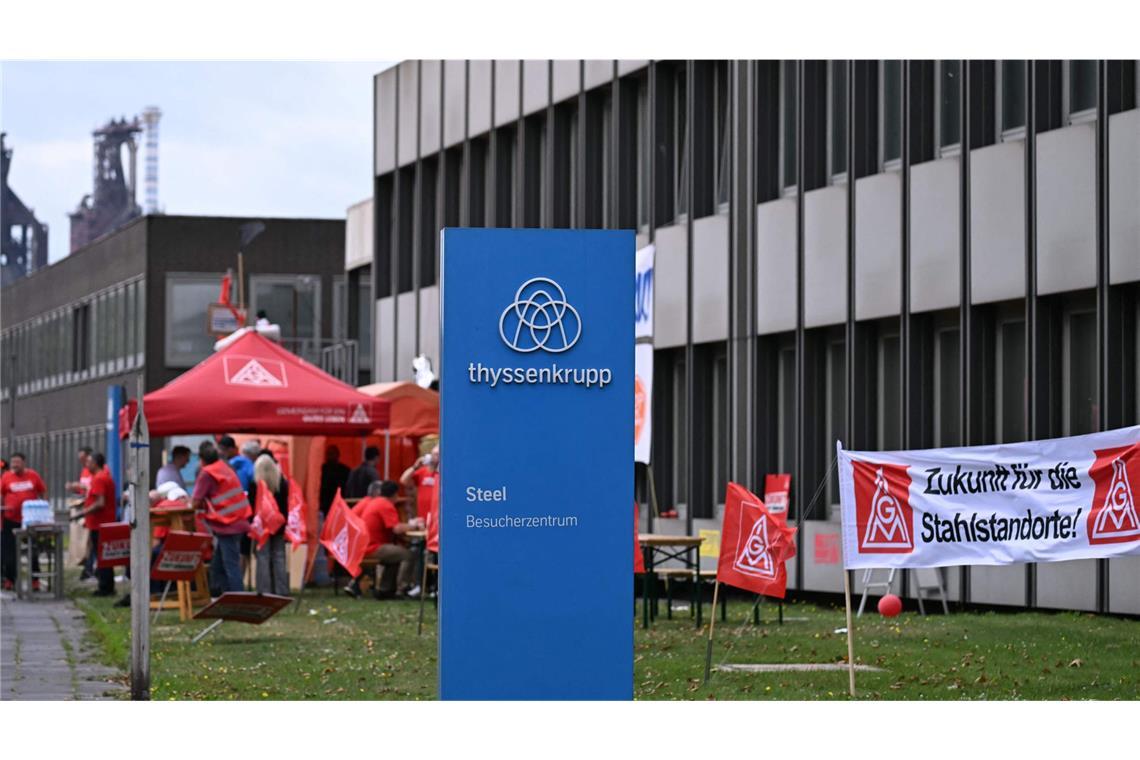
x,y
890,605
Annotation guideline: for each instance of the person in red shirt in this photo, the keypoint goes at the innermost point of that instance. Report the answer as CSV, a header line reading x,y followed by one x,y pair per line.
x,y
19,483
79,487
379,516
422,476
99,508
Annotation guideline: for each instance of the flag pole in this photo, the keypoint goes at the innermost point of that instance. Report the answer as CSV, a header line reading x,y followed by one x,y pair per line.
x,y
712,625
850,633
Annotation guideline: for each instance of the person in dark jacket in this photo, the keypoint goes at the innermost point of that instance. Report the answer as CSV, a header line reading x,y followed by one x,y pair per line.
x,y
363,476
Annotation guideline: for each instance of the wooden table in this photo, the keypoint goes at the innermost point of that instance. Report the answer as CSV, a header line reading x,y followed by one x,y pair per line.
x,y
187,597
658,548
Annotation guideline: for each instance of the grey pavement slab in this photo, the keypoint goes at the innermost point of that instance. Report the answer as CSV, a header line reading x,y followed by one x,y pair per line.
x,y
44,654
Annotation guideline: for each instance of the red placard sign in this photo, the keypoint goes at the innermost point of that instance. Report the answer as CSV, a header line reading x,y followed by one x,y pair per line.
x,y
181,556
114,545
244,607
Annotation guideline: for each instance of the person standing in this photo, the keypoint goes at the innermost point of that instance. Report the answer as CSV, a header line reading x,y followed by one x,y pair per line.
x,y
422,476
80,486
171,472
19,483
83,482
99,508
334,476
240,460
378,513
363,476
272,572
219,494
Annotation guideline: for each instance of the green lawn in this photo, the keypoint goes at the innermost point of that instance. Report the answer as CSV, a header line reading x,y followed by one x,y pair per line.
x,y
340,648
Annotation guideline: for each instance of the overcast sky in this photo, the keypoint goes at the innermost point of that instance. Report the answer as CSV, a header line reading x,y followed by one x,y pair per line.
x,y
236,139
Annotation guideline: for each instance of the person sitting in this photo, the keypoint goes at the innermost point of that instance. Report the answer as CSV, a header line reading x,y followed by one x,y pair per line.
x,y
380,518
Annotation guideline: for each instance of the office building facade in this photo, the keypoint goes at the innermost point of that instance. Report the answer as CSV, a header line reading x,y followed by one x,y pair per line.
x,y
893,254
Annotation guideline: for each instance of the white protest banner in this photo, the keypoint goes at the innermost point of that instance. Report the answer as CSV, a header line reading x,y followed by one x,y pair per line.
x,y
642,401
643,355
643,295
1039,501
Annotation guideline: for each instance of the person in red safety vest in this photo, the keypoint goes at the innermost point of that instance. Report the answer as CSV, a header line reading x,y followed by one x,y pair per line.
x,y
218,493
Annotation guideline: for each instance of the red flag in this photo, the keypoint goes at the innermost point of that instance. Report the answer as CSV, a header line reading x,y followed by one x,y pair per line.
x,y
267,518
344,536
638,556
224,296
754,545
777,491
433,518
295,529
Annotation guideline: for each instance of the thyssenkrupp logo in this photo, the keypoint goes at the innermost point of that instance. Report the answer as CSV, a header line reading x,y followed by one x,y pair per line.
x,y
540,318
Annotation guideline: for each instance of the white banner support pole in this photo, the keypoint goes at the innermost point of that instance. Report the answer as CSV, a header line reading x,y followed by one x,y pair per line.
x,y
850,633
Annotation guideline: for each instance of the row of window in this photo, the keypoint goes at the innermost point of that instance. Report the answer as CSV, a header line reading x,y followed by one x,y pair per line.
x,y
292,301
101,335
527,173
1067,387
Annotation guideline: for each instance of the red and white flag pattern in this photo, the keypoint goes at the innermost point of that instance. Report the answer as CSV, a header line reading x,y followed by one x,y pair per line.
x,y
754,545
344,536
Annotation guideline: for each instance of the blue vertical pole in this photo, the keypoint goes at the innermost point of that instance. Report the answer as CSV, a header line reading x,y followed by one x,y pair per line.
x,y
116,398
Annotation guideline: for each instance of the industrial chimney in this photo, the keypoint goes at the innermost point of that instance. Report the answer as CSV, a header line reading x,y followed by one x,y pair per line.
x,y
150,119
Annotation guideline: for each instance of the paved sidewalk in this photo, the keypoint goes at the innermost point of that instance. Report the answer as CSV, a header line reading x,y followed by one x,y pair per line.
x,y
43,654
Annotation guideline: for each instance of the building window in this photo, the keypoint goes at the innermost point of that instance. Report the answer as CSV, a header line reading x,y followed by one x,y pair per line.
x,y
429,226
680,178
680,433
1122,86
837,120
1079,383
983,110
890,114
140,324
187,298
1009,365
534,156
1012,83
889,398
506,147
292,301
130,319
924,116
477,195
364,314
384,220
1082,90
81,332
710,137
949,79
719,427
452,186
405,230
786,408
597,158
947,386
641,127
836,410
564,169
789,75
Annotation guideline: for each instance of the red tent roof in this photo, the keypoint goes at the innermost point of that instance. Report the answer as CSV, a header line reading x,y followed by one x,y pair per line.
x,y
256,386
415,410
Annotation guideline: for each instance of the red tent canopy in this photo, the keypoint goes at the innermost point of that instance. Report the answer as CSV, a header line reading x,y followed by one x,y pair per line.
x,y
415,410
254,385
